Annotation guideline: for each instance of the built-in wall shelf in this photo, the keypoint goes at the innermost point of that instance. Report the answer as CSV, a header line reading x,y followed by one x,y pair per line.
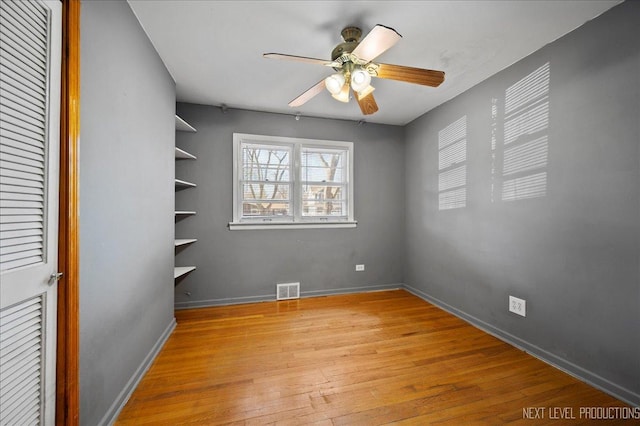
x,y
185,241
180,184
183,126
181,154
179,271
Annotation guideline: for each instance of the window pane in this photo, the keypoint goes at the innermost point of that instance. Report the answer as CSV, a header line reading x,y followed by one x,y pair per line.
x,y
323,165
276,208
264,173
265,163
323,200
266,186
265,192
323,208
322,192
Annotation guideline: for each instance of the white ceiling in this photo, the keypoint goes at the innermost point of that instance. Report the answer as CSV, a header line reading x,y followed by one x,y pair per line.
x,y
213,49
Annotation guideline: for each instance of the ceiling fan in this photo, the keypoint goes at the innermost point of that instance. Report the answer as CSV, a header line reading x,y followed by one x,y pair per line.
x,y
352,61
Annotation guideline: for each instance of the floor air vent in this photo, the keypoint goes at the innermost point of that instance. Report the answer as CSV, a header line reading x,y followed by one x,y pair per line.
x,y
288,291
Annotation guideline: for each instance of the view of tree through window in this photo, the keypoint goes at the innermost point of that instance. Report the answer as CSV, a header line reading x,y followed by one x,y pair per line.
x,y
323,182
266,181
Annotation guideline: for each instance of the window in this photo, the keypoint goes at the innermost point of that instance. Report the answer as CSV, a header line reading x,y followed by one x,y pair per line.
x,y
291,183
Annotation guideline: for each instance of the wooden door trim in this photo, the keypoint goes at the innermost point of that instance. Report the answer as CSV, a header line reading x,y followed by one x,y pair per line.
x,y
68,349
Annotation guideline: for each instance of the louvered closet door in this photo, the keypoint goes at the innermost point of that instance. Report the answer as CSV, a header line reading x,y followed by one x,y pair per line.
x,y
30,39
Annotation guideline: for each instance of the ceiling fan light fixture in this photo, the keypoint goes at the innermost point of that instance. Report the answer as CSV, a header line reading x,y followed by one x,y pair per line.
x,y
334,83
343,95
360,79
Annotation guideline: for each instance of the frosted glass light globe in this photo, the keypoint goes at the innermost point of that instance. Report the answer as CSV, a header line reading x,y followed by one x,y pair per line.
x,y
360,79
334,83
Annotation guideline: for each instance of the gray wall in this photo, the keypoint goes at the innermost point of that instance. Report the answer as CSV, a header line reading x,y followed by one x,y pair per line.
x,y
573,252
126,205
237,266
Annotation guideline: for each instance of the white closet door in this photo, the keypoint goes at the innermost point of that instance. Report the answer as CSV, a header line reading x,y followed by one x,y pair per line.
x,y
29,154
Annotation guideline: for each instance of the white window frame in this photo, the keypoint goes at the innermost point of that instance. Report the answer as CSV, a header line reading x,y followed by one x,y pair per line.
x,y
296,220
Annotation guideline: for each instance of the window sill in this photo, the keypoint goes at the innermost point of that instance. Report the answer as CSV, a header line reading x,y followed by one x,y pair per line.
x,y
246,226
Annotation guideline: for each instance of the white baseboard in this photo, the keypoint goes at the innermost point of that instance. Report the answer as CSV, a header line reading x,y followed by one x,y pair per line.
x,y
112,414
272,297
351,290
592,379
224,301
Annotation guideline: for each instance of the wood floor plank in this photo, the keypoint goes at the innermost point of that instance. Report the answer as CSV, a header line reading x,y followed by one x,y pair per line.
x,y
372,358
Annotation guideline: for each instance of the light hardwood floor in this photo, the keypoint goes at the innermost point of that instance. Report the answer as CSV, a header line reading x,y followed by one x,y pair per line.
x,y
359,359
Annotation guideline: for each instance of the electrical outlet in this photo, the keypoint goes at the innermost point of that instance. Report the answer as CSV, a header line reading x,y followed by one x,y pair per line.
x,y
359,268
518,306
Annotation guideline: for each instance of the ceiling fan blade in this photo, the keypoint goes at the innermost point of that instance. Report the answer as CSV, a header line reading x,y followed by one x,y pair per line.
x,y
409,74
308,94
302,59
367,104
379,39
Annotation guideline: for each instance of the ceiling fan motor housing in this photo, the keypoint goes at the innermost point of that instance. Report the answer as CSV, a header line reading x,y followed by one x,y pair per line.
x,y
351,37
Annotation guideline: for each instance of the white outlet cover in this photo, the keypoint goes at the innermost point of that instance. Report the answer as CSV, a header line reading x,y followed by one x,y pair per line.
x,y
359,267
518,306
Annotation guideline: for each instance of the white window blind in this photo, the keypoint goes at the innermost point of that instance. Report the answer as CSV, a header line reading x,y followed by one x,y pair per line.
x,y
23,134
292,182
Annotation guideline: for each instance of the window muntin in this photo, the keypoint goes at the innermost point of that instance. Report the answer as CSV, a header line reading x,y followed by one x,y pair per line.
x,y
280,180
